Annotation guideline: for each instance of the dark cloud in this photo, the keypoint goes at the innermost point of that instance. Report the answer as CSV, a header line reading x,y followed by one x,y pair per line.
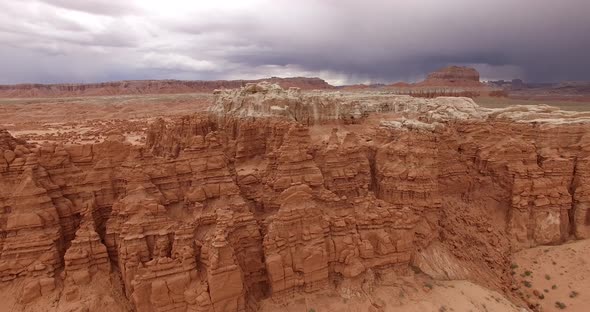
x,y
387,41
342,41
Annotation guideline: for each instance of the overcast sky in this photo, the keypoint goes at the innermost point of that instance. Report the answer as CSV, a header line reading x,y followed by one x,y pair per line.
x,y
52,41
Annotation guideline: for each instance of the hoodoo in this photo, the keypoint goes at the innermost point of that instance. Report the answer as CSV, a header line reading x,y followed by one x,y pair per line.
x,y
273,195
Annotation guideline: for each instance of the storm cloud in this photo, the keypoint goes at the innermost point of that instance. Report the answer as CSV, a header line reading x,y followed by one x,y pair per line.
x,y
52,41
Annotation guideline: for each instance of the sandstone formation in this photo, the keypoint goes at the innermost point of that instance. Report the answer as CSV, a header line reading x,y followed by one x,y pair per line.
x,y
276,193
453,74
449,81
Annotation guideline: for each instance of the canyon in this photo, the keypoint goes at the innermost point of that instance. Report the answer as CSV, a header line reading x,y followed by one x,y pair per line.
x,y
272,196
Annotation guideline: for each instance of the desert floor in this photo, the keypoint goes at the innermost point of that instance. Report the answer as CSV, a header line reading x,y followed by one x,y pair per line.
x,y
558,276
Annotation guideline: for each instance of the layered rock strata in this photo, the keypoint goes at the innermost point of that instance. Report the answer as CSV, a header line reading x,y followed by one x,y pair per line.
x,y
220,211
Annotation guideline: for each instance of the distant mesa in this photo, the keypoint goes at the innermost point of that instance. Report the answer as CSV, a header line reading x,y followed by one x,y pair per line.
x,y
454,74
448,81
131,87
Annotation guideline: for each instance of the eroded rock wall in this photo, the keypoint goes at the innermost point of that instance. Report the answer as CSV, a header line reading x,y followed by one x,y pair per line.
x,y
220,211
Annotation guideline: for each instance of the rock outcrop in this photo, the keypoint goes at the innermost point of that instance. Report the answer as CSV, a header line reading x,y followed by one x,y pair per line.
x,y
453,74
275,193
456,81
265,99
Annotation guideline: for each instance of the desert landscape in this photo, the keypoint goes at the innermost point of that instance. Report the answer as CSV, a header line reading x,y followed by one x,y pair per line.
x,y
293,195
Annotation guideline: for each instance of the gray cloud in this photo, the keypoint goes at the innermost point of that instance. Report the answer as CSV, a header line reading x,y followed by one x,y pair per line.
x,y
101,7
341,41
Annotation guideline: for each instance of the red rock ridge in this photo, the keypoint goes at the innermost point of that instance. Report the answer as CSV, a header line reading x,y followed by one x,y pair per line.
x,y
223,210
148,87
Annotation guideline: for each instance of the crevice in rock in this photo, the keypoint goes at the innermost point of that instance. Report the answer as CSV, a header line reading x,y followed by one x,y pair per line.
x,y
151,243
373,183
101,215
571,231
170,244
69,225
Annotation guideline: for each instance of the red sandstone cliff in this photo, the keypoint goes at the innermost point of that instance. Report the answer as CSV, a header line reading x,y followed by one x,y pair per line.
x,y
223,210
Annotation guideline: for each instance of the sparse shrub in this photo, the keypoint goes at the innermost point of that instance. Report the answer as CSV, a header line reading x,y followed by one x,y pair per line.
x,y
527,284
554,286
560,305
311,310
546,290
541,296
528,273
514,266
547,277
429,285
442,309
574,294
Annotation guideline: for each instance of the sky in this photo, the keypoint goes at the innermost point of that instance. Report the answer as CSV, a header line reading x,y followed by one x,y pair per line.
x,y
341,41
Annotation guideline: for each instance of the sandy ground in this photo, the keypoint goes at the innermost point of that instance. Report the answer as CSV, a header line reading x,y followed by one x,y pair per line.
x,y
406,294
552,274
99,107
92,119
